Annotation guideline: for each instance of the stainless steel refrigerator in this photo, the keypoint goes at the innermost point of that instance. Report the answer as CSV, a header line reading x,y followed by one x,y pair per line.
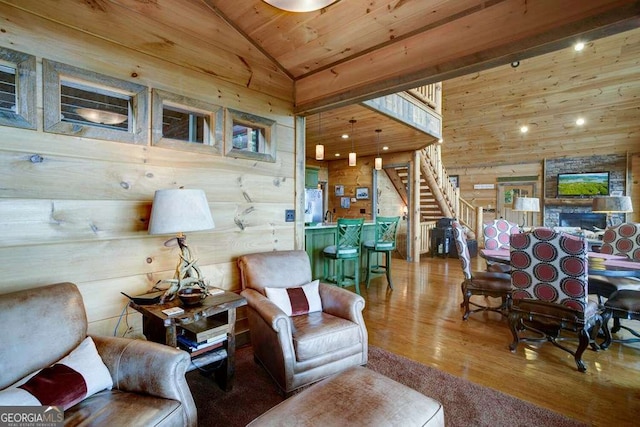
x,y
313,209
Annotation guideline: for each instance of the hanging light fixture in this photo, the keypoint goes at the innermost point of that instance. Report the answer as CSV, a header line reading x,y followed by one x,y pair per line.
x,y
352,154
300,5
378,161
319,147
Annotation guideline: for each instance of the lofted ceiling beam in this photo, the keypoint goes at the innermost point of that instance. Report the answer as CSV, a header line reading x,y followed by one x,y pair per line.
x,y
468,44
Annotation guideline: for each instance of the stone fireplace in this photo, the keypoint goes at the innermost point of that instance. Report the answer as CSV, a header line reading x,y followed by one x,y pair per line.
x,y
576,212
584,220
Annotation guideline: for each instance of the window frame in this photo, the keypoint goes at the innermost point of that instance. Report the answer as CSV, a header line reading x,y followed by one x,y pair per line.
x,y
214,118
25,67
53,73
247,119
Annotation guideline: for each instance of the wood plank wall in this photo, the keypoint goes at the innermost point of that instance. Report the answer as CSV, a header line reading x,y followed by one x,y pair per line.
x,y
487,198
351,177
81,214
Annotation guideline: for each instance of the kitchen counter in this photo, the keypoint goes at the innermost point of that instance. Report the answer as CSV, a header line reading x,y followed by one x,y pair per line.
x,y
329,225
317,237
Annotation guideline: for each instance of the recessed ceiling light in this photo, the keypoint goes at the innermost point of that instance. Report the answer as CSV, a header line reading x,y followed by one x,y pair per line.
x,y
515,64
524,129
578,46
385,148
345,136
580,121
440,141
337,154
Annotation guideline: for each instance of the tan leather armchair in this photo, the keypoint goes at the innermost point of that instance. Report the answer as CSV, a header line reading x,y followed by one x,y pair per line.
x,y
300,350
42,325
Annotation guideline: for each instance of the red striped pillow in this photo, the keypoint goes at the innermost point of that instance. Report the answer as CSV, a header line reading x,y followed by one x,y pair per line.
x,y
79,375
296,301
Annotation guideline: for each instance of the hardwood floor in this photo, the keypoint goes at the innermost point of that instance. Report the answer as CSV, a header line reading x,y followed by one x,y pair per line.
x,y
421,319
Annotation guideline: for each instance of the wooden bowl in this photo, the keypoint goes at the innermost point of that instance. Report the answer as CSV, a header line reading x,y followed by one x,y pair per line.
x,y
191,296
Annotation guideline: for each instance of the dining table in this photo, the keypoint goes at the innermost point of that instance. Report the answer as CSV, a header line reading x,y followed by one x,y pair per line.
x,y
600,264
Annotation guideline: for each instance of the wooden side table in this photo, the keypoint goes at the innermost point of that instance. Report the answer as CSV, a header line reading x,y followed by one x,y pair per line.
x,y
159,327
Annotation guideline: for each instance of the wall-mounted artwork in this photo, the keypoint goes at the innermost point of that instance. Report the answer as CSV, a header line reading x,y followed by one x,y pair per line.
x,y
362,193
455,180
339,189
345,202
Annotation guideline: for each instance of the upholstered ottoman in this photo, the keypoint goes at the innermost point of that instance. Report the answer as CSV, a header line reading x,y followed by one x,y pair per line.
x,y
357,396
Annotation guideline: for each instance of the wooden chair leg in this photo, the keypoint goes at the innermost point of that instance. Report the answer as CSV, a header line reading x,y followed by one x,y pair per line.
x,y
388,268
368,267
582,346
606,315
357,274
513,326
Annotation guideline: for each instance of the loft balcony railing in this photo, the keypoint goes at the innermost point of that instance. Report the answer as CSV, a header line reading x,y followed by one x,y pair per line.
x,y
430,94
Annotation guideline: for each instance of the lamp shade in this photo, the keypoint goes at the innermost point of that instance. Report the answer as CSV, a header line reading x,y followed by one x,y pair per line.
x,y
526,204
352,159
319,152
300,5
378,163
612,204
180,211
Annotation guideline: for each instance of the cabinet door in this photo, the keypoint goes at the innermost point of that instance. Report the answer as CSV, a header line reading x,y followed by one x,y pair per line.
x,y
311,178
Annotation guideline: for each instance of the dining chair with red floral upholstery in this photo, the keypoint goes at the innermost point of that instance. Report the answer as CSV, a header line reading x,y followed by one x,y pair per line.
x,y
497,232
622,239
485,283
549,293
496,235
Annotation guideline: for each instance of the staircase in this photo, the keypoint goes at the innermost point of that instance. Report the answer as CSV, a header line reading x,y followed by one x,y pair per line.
x,y
438,197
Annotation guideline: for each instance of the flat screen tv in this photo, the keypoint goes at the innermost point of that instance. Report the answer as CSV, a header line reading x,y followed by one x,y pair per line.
x,y
585,184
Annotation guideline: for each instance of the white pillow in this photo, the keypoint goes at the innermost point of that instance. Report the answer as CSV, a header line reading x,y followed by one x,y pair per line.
x,y
77,376
296,301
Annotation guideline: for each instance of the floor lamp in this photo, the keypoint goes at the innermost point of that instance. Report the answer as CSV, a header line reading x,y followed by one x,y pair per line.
x,y
611,204
526,204
177,211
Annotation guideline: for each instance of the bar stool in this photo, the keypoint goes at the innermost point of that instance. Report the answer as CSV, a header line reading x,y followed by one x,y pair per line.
x,y
346,248
385,242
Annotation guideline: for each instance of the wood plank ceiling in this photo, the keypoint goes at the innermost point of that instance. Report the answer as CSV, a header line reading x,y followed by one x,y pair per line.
x,y
483,111
328,61
331,55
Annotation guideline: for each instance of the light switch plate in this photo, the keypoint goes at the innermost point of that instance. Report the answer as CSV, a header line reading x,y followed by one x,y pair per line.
x,y
289,215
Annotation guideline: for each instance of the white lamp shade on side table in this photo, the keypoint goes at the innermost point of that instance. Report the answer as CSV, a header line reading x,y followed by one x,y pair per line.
x,y
180,211
612,204
526,204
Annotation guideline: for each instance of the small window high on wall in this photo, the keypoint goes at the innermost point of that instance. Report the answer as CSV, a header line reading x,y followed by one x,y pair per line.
x,y
83,103
94,106
8,89
250,136
185,123
17,89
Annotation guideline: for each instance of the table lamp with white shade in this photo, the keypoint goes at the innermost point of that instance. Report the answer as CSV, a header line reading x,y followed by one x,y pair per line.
x,y
611,204
178,211
526,204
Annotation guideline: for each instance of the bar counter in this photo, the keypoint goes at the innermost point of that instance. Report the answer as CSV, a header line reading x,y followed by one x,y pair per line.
x,y
319,236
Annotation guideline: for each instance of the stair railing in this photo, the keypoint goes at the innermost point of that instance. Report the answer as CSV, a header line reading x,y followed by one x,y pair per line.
x,y
468,215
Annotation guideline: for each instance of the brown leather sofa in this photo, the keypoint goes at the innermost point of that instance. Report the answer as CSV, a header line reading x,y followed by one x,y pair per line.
x,y
303,349
42,325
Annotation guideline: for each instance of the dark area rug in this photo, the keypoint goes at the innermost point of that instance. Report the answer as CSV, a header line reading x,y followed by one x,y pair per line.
x,y
465,403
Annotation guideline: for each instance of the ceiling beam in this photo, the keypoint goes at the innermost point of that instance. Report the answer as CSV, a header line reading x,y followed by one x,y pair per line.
x,y
465,45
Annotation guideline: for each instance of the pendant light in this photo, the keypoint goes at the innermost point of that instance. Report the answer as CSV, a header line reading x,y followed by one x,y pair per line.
x,y
378,161
352,154
319,147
